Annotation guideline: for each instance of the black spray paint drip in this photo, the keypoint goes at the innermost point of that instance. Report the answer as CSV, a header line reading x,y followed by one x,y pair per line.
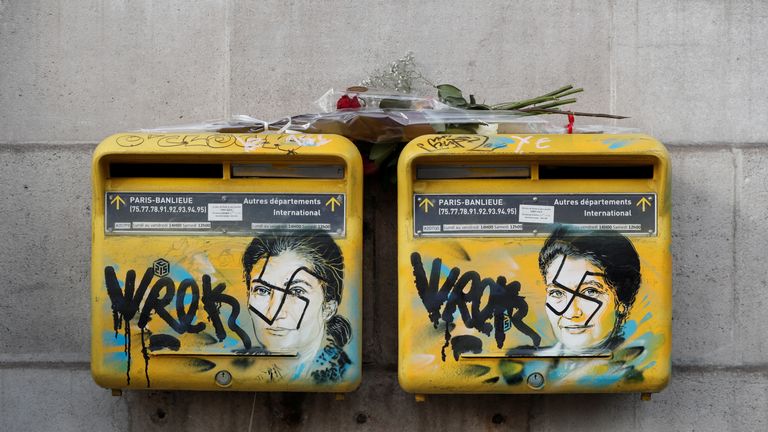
x,y
127,345
125,304
117,325
448,328
145,354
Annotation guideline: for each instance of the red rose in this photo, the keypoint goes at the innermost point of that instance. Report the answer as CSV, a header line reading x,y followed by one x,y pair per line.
x,y
347,102
369,167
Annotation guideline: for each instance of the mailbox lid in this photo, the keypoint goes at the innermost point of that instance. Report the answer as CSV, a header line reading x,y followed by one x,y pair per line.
x,y
171,305
476,215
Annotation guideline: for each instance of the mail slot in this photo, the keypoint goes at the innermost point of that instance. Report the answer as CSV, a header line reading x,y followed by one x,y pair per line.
x,y
534,264
227,262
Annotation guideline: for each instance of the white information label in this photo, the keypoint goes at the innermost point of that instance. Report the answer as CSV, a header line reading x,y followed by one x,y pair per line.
x,y
461,227
225,212
537,214
170,225
291,226
611,227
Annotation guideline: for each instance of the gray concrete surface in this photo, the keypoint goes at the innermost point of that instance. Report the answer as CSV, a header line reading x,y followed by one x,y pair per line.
x,y
703,247
688,72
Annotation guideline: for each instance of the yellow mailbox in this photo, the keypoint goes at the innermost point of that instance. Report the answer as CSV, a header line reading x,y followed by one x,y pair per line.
x,y
534,263
227,262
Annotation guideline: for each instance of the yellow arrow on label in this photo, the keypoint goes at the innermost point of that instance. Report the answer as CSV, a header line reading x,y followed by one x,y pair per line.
x,y
425,203
333,202
116,200
643,202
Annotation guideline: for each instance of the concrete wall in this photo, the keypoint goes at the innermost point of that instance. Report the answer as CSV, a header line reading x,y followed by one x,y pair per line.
x,y
688,72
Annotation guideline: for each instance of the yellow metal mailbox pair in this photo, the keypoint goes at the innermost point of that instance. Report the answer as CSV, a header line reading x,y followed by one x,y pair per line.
x,y
526,263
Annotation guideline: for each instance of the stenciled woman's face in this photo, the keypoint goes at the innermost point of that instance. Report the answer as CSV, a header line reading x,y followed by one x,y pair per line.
x,y
286,304
580,305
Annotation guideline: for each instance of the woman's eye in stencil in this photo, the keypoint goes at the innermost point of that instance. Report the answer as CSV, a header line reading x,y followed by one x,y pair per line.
x,y
261,290
556,294
592,292
297,291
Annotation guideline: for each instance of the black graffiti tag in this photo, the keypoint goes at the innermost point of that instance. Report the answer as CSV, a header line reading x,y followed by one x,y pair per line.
x,y
127,301
503,299
449,142
212,300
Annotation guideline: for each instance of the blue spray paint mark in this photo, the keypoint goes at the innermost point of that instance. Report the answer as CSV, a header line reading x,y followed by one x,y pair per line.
x,y
646,317
444,270
558,373
600,380
119,357
630,327
110,339
614,143
498,142
179,274
231,343
188,299
651,342
299,370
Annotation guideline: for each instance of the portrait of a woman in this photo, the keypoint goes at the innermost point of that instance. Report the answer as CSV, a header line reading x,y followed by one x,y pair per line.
x,y
592,279
294,285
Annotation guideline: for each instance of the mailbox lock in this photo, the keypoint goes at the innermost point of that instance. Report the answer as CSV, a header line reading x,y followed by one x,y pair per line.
x,y
223,378
536,380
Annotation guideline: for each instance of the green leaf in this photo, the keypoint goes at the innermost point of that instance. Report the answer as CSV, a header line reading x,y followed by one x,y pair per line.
x,y
457,102
380,151
447,90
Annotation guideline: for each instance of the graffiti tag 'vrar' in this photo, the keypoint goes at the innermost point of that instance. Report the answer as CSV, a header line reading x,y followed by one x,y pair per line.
x,y
504,300
126,302
479,143
293,288
448,142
